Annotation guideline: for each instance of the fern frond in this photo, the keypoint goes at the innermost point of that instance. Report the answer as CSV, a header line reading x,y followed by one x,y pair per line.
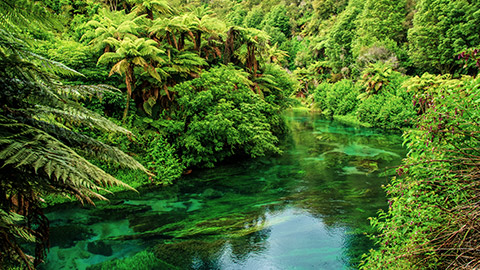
x,y
267,82
81,92
109,57
85,145
22,146
18,14
77,115
54,67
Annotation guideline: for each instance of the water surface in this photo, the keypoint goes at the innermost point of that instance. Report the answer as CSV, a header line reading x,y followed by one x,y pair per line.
x,y
306,209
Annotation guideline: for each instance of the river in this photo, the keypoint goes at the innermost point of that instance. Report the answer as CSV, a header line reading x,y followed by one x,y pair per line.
x,y
305,209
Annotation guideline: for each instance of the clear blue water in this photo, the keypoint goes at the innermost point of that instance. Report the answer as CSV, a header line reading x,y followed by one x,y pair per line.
x,y
305,209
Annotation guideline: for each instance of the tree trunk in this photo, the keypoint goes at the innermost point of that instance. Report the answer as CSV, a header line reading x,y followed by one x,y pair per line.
x,y
181,41
251,57
150,14
169,40
227,54
129,81
198,41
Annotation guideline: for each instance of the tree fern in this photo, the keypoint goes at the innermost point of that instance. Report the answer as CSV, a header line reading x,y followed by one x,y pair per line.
x,y
40,151
108,24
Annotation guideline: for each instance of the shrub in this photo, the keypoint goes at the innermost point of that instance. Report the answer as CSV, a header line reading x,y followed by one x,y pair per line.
x,y
339,98
433,207
162,160
386,111
220,116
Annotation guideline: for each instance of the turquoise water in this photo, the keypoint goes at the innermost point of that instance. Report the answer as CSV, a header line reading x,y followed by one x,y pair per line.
x,y
306,209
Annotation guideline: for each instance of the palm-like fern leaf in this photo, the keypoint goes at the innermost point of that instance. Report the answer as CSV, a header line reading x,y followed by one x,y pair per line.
x,y
31,149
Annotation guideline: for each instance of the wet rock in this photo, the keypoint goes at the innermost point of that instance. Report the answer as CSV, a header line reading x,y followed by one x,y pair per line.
x,y
66,236
100,248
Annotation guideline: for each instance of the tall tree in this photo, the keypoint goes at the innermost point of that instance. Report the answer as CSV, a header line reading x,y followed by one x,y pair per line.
x,y
169,30
207,24
339,41
111,24
441,29
149,7
380,21
243,46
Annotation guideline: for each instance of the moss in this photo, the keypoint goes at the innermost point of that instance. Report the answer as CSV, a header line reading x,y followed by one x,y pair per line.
x,y
151,222
118,211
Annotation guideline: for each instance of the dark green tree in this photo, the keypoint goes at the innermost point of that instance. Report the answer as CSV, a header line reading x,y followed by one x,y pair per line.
x,y
219,117
382,23
441,30
339,41
277,17
254,18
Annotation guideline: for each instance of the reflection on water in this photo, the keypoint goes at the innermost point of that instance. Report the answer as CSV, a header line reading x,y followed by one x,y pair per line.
x,y
306,209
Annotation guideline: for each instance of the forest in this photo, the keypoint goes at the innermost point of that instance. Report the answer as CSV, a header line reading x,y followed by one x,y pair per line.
x,y
99,97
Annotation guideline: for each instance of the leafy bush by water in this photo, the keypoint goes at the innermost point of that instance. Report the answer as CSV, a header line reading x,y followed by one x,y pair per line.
x,y
163,161
379,100
339,98
432,221
219,116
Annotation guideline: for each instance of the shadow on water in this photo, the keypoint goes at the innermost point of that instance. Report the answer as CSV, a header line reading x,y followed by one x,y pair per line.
x,y
306,209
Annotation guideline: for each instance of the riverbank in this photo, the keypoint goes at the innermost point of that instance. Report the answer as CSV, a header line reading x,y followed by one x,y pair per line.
x,y
432,221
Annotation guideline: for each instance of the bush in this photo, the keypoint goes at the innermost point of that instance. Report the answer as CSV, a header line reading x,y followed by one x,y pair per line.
x,y
386,111
339,98
433,207
163,161
379,100
220,116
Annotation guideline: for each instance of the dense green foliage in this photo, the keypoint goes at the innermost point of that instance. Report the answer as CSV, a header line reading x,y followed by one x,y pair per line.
x,y
431,220
47,135
442,29
163,161
337,99
221,116
378,100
